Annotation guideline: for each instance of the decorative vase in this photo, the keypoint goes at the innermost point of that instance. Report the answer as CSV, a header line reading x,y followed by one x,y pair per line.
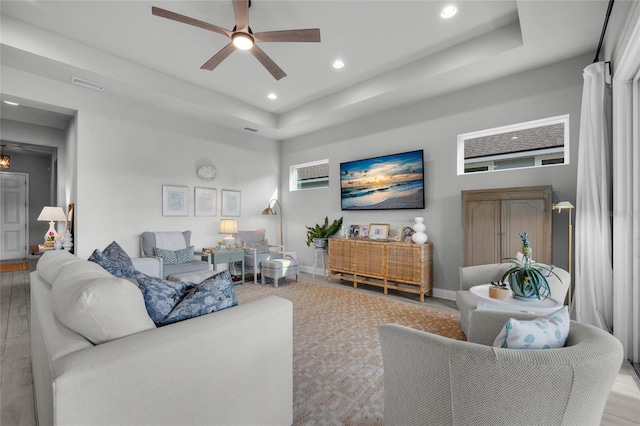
x,y
68,240
57,244
419,237
527,292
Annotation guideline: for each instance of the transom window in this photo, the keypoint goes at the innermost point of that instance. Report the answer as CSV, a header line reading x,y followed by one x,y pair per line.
x,y
531,144
309,175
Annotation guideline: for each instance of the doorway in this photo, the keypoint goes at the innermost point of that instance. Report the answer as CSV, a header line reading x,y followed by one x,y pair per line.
x,y
14,190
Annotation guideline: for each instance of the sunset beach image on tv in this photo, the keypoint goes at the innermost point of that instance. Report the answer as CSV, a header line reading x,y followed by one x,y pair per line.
x,y
383,183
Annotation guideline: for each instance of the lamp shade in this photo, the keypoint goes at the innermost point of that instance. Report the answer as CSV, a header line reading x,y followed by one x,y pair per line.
x,y
228,226
562,205
49,214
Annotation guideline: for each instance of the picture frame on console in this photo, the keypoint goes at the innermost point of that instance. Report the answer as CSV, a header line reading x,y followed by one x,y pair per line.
x,y
175,200
395,233
364,231
378,231
354,231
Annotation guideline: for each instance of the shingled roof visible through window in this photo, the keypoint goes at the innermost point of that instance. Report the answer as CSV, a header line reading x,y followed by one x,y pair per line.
x,y
537,138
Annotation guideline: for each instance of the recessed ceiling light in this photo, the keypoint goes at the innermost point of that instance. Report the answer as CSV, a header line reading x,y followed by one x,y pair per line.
x,y
448,11
272,96
338,64
11,103
513,138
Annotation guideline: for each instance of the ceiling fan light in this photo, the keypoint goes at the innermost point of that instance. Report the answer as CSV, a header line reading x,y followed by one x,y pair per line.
x,y
242,41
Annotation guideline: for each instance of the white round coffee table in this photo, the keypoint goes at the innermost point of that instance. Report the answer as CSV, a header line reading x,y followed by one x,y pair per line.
x,y
546,306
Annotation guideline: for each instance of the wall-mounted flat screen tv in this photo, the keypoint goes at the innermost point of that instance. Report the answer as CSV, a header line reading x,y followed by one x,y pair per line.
x,y
388,182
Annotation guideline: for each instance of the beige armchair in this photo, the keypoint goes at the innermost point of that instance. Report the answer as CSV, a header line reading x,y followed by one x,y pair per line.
x,y
484,274
434,380
257,250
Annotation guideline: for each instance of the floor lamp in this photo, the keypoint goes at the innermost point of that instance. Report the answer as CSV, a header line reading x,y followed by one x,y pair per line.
x,y
269,211
565,205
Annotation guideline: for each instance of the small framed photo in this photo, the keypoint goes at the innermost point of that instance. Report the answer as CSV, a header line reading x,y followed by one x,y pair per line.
x,y
378,231
205,202
364,231
354,231
175,200
395,233
230,203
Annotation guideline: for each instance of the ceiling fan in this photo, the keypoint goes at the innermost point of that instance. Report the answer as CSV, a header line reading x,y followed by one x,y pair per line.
x,y
243,38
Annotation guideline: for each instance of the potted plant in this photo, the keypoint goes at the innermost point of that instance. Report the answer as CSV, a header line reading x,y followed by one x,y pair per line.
x,y
527,278
318,234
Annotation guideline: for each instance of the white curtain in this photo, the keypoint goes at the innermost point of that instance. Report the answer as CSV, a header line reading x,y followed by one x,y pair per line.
x,y
626,198
594,272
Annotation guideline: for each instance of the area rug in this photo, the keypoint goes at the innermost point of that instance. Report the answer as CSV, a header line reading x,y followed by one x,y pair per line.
x,y
11,267
337,363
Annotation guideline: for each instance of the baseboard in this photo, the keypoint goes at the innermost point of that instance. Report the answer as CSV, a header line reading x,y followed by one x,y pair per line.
x,y
441,293
437,292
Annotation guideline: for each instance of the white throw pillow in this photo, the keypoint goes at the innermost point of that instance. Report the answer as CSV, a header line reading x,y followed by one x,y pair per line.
x,y
546,332
52,261
97,305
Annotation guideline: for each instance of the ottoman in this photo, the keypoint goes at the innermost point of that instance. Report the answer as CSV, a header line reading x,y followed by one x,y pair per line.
x,y
195,277
279,268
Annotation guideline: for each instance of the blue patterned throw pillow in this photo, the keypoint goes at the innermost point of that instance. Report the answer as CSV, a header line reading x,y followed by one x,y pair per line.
x,y
171,257
161,296
114,260
211,295
546,332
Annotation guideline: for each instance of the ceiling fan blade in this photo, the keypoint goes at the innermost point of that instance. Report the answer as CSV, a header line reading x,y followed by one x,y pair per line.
x,y
218,57
308,35
267,62
241,12
190,21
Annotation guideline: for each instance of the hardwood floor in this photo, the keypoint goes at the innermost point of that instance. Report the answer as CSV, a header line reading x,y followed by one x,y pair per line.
x,y
16,400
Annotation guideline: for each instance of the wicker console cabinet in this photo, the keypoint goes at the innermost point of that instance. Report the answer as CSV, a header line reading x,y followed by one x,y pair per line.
x,y
387,264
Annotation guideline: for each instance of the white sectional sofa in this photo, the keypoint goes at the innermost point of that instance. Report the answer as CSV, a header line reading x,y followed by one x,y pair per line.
x,y
229,367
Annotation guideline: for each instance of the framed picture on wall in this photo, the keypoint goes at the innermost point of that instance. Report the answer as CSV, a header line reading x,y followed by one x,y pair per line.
x,y
230,203
378,231
205,201
174,200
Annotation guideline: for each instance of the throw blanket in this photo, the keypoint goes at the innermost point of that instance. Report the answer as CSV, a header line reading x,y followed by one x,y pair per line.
x,y
170,240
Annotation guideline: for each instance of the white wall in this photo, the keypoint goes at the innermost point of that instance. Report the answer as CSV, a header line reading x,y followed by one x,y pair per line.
x,y
433,126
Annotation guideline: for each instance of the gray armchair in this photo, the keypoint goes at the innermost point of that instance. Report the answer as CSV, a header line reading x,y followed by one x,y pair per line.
x,y
257,250
484,274
173,240
434,380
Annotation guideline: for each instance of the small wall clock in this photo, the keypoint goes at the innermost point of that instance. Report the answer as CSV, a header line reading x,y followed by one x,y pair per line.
x,y
207,172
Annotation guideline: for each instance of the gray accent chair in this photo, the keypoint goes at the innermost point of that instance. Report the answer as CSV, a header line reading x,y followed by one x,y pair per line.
x,y
484,274
179,240
434,380
257,250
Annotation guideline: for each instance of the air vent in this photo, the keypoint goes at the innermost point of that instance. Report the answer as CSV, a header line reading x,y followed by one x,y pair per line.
x,y
249,129
89,84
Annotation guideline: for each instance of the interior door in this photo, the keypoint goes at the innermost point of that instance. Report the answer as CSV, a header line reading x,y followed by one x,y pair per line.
x,y
13,235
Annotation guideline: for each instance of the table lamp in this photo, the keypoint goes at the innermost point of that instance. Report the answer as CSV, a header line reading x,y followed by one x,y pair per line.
x,y
51,215
229,226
